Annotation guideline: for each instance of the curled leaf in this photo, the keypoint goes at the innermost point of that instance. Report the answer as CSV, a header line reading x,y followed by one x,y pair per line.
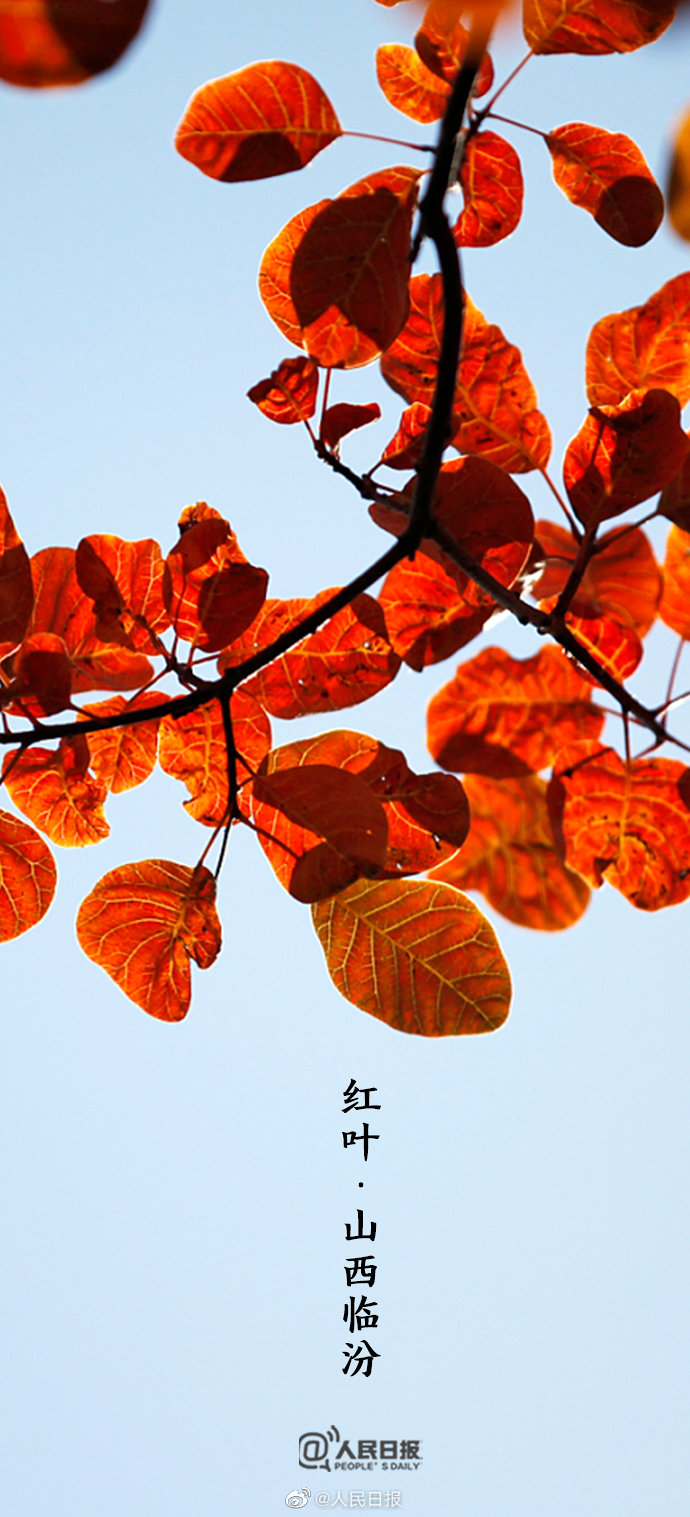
x,y
290,394
143,923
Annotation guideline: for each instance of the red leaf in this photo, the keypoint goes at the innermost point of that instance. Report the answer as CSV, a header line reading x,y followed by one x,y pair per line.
x,y
675,603
408,85
124,757
125,583
624,454
62,42
605,173
210,590
678,194
290,393
267,119
442,45
645,348
56,791
405,449
16,585
338,421
491,180
622,578
320,827
594,26
27,877
142,923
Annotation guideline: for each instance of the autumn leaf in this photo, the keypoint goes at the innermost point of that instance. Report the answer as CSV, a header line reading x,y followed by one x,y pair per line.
x,y
405,449
494,406
320,828
594,26
645,348
16,585
442,45
628,824
124,582
623,454
335,280
427,615
212,594
27,877
123,757
615,645
675,601
408,85
621,578
54,788
510,856
42,670
605,173
504,717
674,501
418,955
266,119
143,923
347,661
678,194
60,42
427,815
290,394
62,608
192,748
338,421
492,187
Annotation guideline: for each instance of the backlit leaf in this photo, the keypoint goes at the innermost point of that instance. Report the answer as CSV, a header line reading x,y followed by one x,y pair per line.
x,y
27,877
345,662
628,824
61,607
123,757
427,616
416,954
192,749
16,585
320,827
54,788
511,858
594,26
491,181
266,119
338,421
335,280
290,393
427,814
143,923
63,42
622,578
616,645
405,449
494,408
42,682
605,173
674,501
124,581
623,454
675,602
503,716
210,590
442,45
408,85
645,348
678,194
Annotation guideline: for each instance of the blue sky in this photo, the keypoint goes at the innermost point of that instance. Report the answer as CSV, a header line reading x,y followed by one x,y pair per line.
x,y
175,1197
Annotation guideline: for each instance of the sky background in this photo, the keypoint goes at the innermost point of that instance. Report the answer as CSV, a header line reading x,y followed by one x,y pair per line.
x,y
174,1197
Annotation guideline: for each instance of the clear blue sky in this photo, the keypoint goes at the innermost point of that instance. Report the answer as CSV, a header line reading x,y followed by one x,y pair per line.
x,y
174,1198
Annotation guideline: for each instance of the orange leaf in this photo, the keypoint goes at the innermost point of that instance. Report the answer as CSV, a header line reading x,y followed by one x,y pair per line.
x,y
426,814
674,501
418,955
427,616
442,45
61,607
645,348
678,194
491,180
192,749
124,757
594,26
290,393
338,421
335,280
124,581
622,578
16,585
405,449
408,85
623,454
510,856
675,602
142,923
345,662
320,827
211,592
54,788
616,645
58,42
605,173
42,680
494,409
27,877
267,119
628,824
503,716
